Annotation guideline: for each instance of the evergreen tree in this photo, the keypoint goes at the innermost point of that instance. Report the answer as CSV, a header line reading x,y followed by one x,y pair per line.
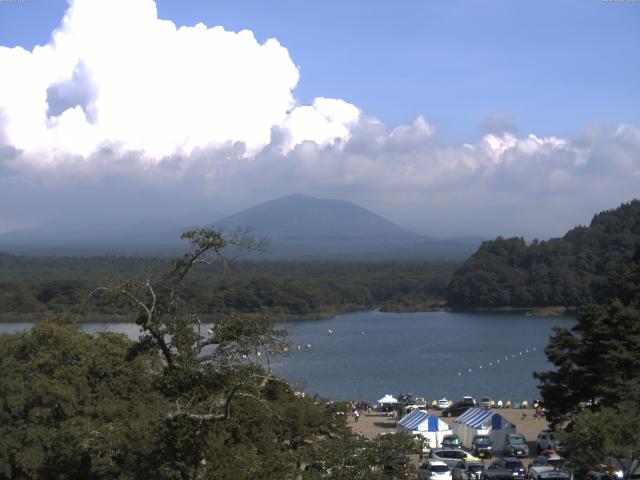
x,y
598,360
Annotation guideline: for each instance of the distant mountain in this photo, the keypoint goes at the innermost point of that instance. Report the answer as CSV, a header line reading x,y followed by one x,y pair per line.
x,y
299,227
97,236
307,228
568,271
302,216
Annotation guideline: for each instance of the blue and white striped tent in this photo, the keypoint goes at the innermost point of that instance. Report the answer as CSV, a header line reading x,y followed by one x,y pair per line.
x,y
476,421
429,426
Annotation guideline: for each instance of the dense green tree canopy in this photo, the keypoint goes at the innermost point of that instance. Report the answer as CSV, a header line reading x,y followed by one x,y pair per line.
x,y
598,360
568,271
74,405
381,458
608,436
36,286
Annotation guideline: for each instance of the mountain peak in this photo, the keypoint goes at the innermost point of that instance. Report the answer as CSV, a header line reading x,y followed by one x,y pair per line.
x,y
302,199
299,215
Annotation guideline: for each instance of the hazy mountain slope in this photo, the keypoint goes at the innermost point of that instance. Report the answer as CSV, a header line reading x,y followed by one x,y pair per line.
x,y
99,235
301,216
299,227
303,227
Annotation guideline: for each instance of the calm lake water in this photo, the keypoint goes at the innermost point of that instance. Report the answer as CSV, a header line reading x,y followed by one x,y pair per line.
x,y
429,354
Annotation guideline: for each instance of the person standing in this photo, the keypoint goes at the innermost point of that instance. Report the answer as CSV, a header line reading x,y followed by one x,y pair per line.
x,y
356,416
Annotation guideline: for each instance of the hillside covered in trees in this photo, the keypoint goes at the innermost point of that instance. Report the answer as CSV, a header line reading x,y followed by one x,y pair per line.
x,y
34,286
568,271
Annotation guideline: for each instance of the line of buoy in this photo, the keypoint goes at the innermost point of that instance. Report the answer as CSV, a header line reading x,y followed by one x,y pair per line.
x,y
521,353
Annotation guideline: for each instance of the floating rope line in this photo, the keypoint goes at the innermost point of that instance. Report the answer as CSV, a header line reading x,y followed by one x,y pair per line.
x,y
497,363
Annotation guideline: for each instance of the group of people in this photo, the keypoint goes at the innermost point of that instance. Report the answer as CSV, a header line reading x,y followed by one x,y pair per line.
x,y
538,409
357,407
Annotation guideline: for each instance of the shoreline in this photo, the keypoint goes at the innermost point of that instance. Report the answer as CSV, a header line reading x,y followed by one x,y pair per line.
x,y
320,315
554,311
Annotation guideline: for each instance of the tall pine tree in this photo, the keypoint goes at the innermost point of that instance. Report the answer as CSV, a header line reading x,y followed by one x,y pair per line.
x,y
598,360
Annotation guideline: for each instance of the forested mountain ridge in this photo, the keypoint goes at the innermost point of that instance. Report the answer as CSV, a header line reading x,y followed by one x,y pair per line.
x,y
567,271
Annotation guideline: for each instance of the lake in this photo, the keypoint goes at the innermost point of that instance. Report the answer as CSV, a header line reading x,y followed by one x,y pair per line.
x,y
431,354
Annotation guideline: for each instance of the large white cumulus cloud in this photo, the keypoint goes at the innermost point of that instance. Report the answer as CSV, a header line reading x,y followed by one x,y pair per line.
x,y
122,104
115,76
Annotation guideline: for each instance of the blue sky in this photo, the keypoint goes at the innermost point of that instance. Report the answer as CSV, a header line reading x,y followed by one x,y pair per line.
x,y
549,67
448,117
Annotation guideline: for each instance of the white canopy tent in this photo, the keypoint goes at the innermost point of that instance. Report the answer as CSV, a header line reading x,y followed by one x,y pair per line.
x,y
429,426
476,421
387,400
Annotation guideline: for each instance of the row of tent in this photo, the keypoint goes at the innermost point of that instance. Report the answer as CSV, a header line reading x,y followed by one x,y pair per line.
x,y
474,421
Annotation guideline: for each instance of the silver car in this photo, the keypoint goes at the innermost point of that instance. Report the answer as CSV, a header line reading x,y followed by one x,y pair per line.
x,y
451,456
434,470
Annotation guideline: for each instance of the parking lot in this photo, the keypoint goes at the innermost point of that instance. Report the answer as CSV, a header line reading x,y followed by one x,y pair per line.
x,y
374,424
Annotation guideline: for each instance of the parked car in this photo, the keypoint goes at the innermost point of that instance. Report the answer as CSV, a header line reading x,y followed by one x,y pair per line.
x,y
547,441
443,403
467,470
496,474
435,470
405,398
601,475
510,463
482,446
420,402
515,445
548,453
451,441
467,400
485,402
451,456
542,472
609,469
456,409
551,460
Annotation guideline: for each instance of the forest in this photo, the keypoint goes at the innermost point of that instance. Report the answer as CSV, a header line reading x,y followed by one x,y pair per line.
x,y
34,286
568,271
